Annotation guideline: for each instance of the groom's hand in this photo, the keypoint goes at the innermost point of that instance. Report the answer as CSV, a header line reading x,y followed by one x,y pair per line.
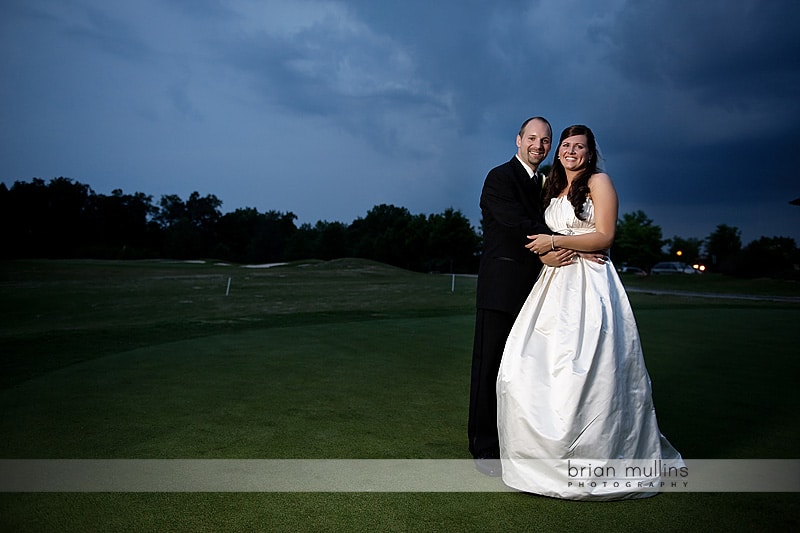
x,y
595,257
558,258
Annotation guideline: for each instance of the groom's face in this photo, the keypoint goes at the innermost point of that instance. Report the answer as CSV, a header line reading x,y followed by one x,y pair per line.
x,y
534,143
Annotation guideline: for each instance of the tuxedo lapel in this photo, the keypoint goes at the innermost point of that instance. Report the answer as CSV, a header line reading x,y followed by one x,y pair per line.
x,y
530,188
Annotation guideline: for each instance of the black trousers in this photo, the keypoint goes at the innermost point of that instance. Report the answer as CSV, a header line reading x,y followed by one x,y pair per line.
x,y
491,331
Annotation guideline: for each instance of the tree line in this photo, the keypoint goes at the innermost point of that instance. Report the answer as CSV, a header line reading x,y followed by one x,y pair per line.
x,y
639,242
66,219
63,218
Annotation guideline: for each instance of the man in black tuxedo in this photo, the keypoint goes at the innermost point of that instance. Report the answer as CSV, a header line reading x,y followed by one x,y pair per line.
x,y
511,207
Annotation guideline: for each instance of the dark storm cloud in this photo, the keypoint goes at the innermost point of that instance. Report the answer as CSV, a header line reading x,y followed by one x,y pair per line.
x,y
327,108
711,108
725,52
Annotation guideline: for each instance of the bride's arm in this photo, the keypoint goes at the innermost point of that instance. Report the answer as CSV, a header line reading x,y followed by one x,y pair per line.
x,y
606,205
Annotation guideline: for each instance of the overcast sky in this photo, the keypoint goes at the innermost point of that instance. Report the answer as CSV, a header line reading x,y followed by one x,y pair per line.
x,y
328,108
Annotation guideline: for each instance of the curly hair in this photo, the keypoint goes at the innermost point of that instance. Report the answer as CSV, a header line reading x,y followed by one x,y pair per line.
x,y
557,180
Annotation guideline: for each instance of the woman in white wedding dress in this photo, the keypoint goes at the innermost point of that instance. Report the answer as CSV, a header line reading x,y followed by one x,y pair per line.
x,y
575,411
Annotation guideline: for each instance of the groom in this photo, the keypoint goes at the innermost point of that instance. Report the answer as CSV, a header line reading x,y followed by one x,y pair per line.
x,y
511,207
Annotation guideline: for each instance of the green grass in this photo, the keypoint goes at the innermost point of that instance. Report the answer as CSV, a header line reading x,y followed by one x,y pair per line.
x,y
715,284
57,314
332,390
349,359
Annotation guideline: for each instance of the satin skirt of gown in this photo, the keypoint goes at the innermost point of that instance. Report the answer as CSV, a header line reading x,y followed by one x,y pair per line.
x,y
573,389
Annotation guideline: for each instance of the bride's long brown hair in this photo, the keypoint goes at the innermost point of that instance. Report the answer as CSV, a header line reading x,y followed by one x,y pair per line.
x,y
557,180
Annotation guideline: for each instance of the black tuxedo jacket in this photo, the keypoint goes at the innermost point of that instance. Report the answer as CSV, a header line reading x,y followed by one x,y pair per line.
x,y
511,207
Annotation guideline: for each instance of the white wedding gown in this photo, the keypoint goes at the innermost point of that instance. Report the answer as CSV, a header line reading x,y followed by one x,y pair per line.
x,y
573,389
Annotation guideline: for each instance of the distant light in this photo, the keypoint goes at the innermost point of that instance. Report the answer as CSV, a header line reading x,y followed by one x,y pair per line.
x,y
679,253
701,268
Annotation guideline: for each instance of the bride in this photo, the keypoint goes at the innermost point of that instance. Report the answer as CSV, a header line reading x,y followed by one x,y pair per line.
x,y
573,392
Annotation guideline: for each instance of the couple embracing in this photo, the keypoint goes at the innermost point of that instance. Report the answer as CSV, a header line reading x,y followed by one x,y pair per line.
x,y
558,375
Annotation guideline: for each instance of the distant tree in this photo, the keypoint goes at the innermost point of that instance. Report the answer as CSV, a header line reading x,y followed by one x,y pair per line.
x,y
203,211
385,235
393,235
66,216
452,242
722,246
189,227
638,241
417,245
247,236
8,232
271,237
331,242
324,241
171,210
775,257
303,243
686,250
122,226
235,232
49,219
22,224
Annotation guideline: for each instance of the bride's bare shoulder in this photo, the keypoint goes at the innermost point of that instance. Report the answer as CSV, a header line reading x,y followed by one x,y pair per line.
x,y
601,179
600,176
601,186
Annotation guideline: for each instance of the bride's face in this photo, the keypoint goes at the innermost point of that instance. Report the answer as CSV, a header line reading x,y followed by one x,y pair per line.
x,y
574,152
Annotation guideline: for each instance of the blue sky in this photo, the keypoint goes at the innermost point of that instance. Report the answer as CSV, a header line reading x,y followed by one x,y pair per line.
x,y
328,108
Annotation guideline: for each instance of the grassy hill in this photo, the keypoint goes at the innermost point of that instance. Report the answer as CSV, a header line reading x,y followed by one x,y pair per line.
x,y
349,359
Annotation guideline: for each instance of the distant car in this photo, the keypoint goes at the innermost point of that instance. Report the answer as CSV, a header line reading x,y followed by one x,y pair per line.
x,y
632,270
673,267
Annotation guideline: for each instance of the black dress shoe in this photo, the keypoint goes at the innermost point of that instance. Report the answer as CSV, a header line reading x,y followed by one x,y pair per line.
x,y
489,467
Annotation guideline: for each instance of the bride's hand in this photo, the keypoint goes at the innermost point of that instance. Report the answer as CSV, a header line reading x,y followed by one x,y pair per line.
x,y
540,244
